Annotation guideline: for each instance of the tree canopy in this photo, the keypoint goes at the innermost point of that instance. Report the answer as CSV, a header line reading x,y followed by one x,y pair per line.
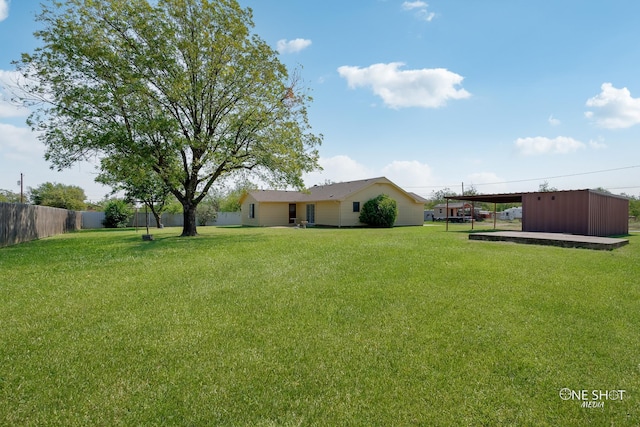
x,y
181,88
8,196
57,195
545,187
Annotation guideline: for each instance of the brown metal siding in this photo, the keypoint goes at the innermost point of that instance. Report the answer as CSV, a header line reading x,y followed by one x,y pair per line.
x,y
575,212
608,215
555,212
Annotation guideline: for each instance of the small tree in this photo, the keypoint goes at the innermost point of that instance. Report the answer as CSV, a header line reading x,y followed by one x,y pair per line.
x,y
62,196
546,188
207,210
116,214
229,199
8,196
381,211
138,183
634,205
439,196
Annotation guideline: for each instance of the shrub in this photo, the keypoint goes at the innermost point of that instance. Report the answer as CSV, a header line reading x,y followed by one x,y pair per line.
x,y
207,210
381,211
116,214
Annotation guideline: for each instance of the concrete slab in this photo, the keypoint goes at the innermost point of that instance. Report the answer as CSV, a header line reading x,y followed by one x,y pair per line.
x,y
551,239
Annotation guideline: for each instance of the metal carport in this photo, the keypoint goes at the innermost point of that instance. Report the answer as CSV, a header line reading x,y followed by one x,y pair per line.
x,y
486,198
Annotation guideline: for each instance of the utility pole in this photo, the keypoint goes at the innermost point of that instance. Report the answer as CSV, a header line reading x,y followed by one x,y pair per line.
x,y
21,183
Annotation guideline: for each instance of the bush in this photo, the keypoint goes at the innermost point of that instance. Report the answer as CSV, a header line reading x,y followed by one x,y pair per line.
x,y
207,210
116,214
381,211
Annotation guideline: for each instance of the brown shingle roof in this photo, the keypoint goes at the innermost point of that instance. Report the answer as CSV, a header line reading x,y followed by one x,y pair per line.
x,y
277,196
338,191
342,190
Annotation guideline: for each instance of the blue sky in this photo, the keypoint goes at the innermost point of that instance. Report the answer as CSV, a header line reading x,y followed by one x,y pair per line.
x,y
501,95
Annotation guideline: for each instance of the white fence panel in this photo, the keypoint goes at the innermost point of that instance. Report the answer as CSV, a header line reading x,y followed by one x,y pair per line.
x,y
93,220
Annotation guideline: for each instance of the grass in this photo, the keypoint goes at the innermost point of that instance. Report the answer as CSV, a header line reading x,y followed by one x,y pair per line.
x,y
266,327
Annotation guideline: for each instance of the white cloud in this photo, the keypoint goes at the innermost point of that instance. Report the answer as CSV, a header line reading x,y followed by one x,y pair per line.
x,y
408,173
553,121
18,143
614,108
338,169
4,9
409,5
421,9
542,145
292,46
343,168
7,109
426,88
8,86
597,145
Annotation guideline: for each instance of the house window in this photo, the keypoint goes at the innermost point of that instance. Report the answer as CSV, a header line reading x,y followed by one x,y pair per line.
x,y
252,210
356,206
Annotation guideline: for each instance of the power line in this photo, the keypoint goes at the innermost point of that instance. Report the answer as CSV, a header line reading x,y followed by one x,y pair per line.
x,y
537,179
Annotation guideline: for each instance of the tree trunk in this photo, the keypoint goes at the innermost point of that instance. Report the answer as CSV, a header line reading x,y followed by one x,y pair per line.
x,y
158,217
189,226
158,220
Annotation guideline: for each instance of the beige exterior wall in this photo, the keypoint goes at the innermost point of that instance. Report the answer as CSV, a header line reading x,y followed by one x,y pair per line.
x,y
272,214
333,213
245,210
327,213
266,214
409,212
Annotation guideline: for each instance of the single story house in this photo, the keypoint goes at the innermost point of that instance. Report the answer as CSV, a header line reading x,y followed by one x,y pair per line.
x,y
456,210
335,205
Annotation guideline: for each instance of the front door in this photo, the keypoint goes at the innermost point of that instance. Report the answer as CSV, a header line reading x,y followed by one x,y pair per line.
x,y
292,213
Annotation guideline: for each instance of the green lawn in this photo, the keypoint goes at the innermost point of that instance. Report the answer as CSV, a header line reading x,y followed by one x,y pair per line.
x,y
284,327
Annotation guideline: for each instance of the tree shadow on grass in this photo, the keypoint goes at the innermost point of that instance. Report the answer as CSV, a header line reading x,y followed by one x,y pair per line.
x,y
201,241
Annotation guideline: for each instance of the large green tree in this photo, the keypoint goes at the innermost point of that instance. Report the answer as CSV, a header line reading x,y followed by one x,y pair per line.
x,y
181,87
57,195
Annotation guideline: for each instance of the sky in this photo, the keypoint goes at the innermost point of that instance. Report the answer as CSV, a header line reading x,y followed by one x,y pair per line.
x,y
499,95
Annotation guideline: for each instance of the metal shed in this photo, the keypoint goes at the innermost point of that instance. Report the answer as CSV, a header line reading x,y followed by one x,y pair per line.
x,y
584,212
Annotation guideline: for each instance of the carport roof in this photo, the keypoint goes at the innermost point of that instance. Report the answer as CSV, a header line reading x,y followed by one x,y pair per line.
x,y
490,198
517,197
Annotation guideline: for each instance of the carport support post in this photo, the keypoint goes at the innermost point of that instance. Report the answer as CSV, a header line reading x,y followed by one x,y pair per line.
x,y
447,217
473,213
494,215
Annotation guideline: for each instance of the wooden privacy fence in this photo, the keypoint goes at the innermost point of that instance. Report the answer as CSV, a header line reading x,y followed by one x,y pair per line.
x,y
22,223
